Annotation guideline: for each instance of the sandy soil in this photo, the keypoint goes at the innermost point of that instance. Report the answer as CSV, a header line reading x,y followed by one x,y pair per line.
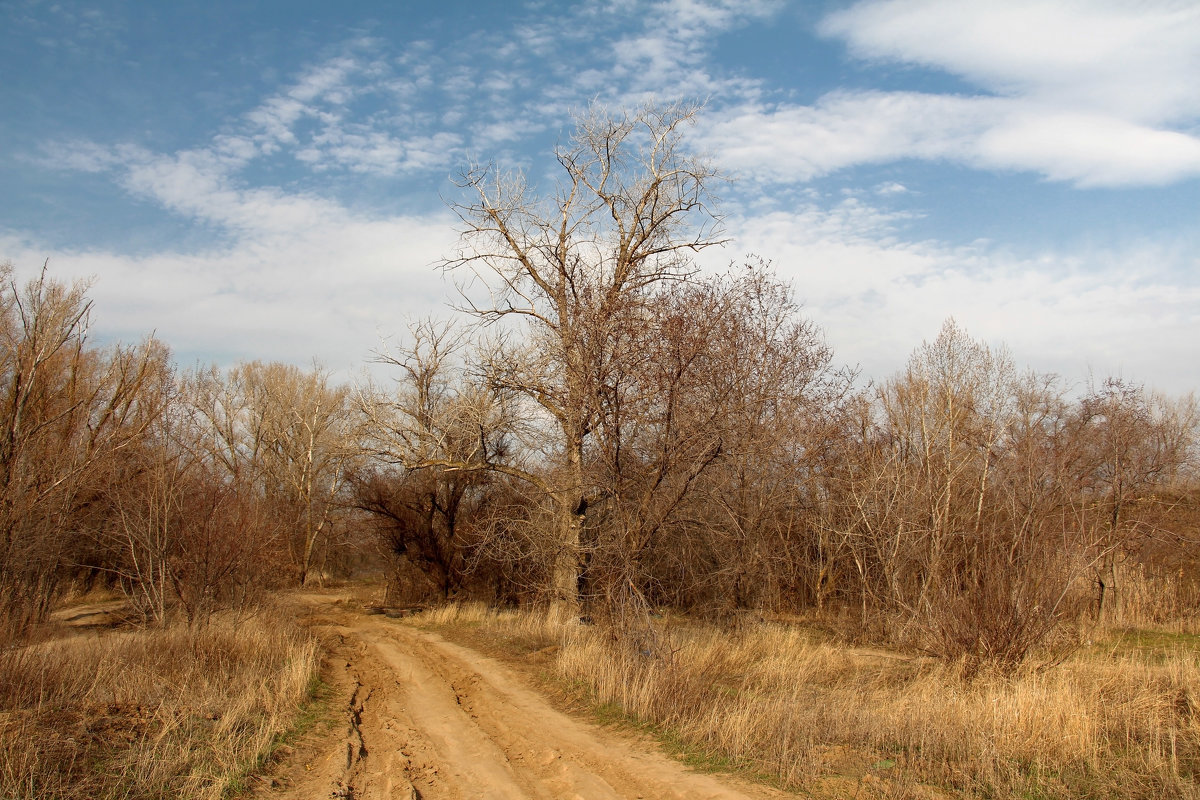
x,y
429,719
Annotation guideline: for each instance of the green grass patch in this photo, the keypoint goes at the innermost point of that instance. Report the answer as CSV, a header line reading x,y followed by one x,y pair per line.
x,y
315,713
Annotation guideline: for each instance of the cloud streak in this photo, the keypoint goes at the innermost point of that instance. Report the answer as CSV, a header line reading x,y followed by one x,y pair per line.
x,y
787,143
1136,61
1093,94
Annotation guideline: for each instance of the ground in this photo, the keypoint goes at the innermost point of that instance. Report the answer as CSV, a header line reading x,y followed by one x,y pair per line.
x,y
422,717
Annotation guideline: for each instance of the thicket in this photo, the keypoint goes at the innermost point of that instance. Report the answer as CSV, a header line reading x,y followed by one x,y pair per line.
x,y
960,508
188,491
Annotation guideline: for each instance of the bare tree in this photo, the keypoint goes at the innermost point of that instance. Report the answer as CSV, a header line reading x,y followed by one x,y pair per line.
x,y
706,433
437,440
138,530
1130,442
66,412
630,209
975,504
284,434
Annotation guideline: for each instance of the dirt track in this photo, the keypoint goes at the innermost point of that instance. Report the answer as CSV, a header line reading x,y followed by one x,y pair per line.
x,y
429,719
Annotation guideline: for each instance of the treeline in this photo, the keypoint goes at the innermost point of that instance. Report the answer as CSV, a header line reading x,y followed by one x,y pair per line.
x,y
607,431
966,506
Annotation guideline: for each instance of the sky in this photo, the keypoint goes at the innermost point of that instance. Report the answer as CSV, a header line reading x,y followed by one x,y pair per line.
x,y
270,180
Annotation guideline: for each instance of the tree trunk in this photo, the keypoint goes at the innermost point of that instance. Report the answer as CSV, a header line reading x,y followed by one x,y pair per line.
x,y
565,599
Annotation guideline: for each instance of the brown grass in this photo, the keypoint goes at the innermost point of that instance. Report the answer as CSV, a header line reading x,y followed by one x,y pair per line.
x,y
1118,719
152,712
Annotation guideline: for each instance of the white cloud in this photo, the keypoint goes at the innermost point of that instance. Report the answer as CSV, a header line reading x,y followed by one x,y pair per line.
x,y
318,94
668,56
693,20
878,295
360,148
329,286
1091,93
80,155
1088,149
844,129
311,120
298,275
328,291
890,188
327,81
1135,60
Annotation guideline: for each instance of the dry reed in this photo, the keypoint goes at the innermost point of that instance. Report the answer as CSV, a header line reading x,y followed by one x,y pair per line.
x,y
149,713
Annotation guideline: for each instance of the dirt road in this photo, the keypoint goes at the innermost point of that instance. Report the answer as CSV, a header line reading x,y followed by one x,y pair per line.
x,y
429,719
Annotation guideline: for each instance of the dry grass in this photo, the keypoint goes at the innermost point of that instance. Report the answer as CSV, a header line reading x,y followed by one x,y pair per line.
x,y
149,713
1117,720
532,629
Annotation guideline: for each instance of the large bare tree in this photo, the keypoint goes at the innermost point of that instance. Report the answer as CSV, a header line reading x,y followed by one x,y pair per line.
x,y
570,272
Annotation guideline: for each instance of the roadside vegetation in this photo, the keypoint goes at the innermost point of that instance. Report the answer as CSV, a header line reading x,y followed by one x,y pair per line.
x,y
967,575
793,703
150,712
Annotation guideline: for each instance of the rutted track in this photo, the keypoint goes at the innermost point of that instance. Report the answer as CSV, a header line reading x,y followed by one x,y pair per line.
x,y
428,719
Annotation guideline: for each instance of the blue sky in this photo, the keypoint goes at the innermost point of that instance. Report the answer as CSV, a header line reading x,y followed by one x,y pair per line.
x,y
268,180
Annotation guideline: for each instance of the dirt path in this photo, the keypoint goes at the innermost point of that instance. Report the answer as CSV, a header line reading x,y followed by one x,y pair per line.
x,y
429,719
